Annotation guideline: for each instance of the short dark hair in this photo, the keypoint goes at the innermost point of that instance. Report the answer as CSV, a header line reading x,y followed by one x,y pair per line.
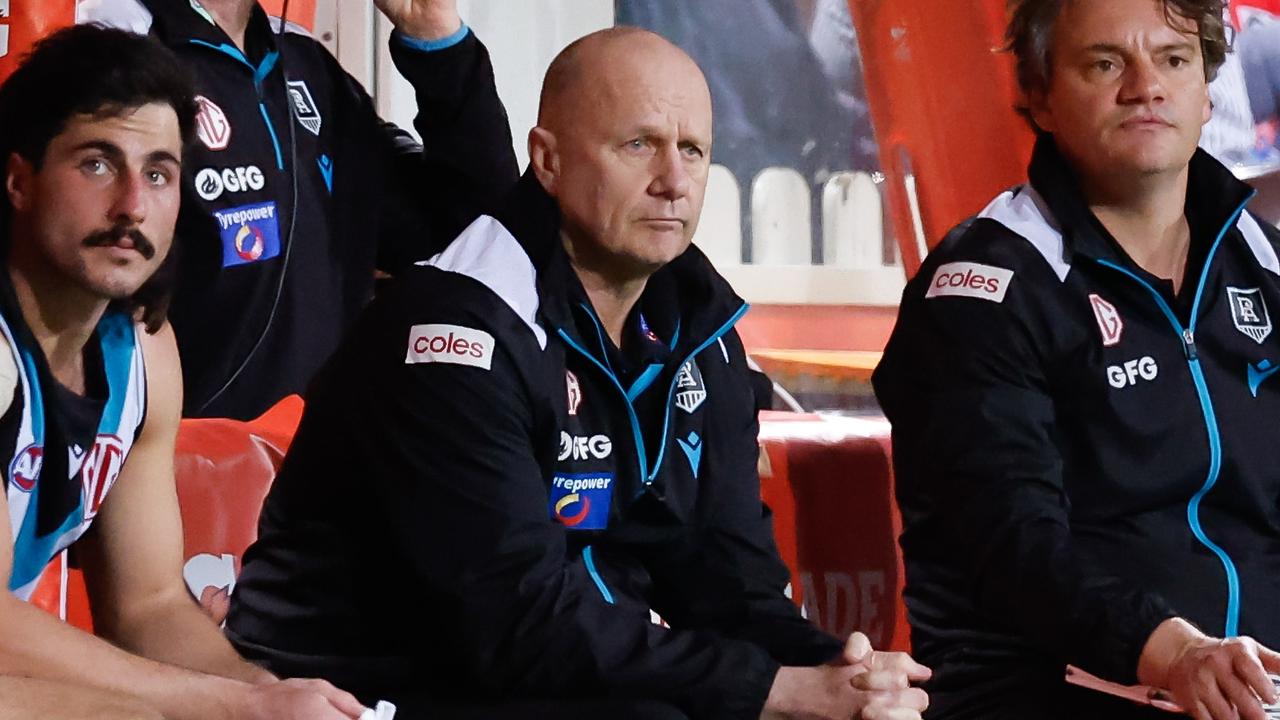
x,y
1029,36
102,72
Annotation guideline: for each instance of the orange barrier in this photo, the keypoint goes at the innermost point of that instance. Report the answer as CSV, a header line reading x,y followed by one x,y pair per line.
x,y
224,469
818,327
941,100
23,22
829,483
847,365
302,12
827,480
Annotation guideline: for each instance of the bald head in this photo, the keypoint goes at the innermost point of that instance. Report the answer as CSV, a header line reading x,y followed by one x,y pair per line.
x,y
623,144
594,62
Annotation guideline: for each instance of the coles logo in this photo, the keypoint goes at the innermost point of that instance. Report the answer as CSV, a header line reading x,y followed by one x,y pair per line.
x,y
1108,318
212,126
99,472
966,279
452,344
24,471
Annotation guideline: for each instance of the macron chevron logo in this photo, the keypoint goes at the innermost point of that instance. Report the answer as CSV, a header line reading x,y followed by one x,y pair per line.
x,y
692,447
1259,373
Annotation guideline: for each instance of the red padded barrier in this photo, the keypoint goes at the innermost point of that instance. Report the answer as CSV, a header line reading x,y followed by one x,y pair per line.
x,y
224,469
829,482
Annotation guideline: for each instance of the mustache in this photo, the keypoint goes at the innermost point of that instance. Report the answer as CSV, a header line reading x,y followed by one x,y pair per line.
x,y
113,236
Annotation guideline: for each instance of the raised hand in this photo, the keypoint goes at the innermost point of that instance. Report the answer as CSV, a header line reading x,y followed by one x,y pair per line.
x,y
422,19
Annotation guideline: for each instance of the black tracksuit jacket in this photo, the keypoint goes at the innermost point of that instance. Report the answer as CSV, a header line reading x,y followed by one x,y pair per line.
x,y
1081,453
296,192
486,499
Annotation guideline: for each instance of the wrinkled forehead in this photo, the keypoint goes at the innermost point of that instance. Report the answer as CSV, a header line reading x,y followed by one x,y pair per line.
x,y
665,91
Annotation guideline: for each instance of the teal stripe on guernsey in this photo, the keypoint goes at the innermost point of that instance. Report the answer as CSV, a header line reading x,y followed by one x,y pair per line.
x,y
116,337
118,343
31,554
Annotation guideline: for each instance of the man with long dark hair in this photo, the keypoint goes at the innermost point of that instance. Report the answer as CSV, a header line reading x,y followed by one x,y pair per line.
x,y
92,132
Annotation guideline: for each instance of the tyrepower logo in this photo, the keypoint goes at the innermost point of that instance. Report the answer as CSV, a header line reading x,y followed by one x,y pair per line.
x,y
966,279
450,344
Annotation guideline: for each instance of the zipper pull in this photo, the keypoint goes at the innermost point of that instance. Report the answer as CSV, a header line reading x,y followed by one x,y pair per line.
x,y
1189,344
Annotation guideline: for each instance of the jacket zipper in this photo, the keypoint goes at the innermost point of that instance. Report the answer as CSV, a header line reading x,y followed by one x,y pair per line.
x,y
647,474
259,75
1188,337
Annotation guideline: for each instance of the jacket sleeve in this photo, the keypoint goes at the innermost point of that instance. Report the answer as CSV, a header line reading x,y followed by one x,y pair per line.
x,y
456,460
730,577
465,164
976,451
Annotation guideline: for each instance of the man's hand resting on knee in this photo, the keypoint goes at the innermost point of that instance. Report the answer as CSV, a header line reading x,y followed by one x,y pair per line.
x,y
1211,678
861,683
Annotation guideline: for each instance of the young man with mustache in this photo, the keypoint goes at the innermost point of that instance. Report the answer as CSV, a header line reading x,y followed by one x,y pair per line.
x,y
92,132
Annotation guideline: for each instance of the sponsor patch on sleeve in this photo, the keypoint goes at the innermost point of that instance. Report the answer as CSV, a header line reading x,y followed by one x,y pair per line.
x,y
966,279
581,501
450,344
250,233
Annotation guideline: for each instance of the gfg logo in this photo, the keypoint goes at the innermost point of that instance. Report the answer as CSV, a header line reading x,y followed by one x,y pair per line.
x,y
1128,374
211,183
579,447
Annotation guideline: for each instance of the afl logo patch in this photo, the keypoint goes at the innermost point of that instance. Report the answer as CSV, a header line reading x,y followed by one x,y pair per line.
x,y
24,471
